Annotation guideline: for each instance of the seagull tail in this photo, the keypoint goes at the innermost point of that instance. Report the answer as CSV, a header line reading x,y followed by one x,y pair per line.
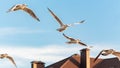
x,y
79,22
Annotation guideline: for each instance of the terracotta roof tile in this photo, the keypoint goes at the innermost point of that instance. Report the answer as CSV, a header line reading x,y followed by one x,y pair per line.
x,y
108,63
74,62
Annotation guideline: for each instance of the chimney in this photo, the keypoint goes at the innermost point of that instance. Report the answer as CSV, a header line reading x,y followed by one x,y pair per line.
x,y
37,64
85,58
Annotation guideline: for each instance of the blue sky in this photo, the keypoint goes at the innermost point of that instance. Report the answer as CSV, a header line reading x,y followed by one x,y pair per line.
x,y
26,39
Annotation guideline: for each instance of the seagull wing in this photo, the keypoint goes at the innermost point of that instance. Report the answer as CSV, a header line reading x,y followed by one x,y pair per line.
x,y
29,11
80,22
76,23
98,56
11,59
59,21
12,8
68,37
82,44
117,54
107,52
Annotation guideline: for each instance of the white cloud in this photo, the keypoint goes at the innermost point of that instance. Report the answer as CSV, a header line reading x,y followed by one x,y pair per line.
x,y
48,54
33,53
17,30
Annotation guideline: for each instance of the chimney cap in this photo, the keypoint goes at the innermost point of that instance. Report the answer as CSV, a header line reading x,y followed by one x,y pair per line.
x,y
84,49
38,62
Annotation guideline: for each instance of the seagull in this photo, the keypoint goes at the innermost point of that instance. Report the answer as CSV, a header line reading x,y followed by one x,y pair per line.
x,y
2,56
73,41
108,52
24,8
63,26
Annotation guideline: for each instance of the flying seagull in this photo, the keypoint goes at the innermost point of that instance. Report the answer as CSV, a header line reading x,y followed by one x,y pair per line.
x,y
73,41
2,56
108,52
24,8
63,26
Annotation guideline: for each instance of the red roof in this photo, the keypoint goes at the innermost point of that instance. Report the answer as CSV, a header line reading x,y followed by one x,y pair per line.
x,y
74,62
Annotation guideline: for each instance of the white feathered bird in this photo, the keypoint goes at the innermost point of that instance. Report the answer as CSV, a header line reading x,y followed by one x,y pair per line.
x,y
2,56
62,25
24,8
